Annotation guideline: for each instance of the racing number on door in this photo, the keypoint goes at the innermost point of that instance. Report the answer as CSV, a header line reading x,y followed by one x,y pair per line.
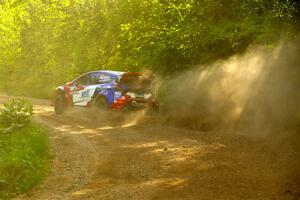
x,y
85,94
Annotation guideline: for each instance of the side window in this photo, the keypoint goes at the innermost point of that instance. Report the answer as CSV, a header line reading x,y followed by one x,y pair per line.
x,y
83,80
94,78
105,78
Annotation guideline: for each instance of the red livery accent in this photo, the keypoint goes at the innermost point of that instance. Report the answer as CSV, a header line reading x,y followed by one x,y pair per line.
x,y
69,99
121,102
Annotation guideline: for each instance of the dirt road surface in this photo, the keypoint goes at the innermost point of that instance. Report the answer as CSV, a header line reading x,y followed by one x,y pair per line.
x,y
123,156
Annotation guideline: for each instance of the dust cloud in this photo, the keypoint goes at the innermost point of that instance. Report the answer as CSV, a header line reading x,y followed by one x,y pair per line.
x,y
257,91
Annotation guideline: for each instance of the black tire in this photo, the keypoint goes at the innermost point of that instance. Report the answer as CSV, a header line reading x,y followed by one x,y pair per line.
x,y
101,103
59,104
153,108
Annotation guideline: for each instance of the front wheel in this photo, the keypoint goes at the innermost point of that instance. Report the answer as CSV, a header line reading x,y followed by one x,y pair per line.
x,y
59,104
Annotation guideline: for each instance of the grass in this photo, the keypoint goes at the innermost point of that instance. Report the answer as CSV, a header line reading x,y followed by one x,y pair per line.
x,y
24,156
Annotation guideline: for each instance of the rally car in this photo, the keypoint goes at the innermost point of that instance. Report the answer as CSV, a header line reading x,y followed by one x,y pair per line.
x,y
107,89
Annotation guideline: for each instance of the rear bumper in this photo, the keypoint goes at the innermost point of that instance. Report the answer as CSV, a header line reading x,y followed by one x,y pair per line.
x,y
134,104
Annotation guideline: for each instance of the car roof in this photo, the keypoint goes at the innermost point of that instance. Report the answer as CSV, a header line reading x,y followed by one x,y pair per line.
x,y
115,73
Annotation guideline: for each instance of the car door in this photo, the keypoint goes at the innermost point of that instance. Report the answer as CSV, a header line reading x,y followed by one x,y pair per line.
x,y
107,84
84,88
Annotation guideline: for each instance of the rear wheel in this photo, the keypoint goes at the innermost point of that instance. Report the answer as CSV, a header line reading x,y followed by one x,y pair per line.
x,y
153,107
101,103
59,104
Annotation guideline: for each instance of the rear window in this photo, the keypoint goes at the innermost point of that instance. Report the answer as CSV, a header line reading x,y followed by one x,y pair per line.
x,y
137,81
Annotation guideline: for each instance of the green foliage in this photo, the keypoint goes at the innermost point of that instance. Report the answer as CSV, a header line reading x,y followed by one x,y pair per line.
x,y
47,43
24,156
174,35
16,113
24,152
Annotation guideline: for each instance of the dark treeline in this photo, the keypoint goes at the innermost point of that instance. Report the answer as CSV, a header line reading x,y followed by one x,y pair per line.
x,y
44,43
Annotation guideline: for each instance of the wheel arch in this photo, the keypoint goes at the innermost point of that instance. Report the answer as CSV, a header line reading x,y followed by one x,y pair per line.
x,y
107,94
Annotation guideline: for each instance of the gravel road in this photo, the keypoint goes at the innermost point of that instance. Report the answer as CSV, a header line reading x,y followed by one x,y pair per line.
x,y
119,156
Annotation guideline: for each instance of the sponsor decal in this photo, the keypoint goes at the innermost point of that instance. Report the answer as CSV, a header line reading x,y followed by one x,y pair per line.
x,y
85,94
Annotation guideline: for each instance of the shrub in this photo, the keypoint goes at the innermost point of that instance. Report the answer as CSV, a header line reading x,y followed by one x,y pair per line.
x,y
16,113
24,152
24,159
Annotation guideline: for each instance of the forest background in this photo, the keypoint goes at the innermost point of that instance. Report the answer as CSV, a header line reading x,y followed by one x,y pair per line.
x,y
45,43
